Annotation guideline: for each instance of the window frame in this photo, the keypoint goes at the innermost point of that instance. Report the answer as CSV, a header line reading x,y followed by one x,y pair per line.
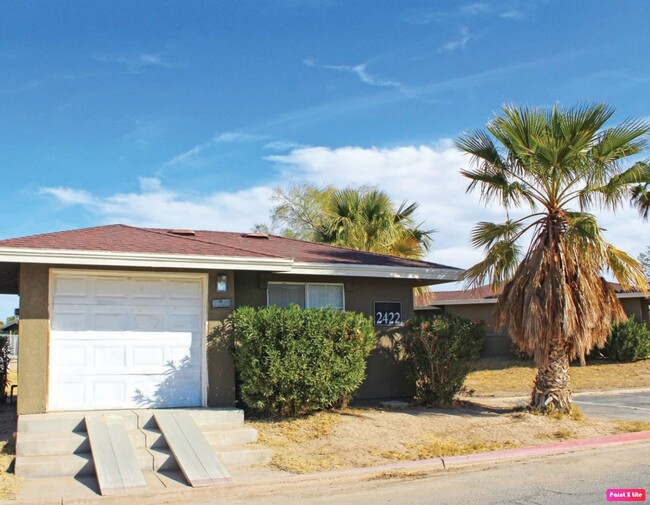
x,y
307,288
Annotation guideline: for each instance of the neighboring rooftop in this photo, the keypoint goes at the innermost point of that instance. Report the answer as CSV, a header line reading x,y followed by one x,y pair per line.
x,y
483,294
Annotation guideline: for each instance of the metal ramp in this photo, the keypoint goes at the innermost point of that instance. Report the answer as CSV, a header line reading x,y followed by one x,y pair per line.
x,y
192,452
116,465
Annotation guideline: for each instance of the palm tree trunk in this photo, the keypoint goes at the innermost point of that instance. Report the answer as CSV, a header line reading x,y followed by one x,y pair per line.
x,y
552,390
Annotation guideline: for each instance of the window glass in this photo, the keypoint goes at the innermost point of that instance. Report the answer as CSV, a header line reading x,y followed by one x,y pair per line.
x,y
324,295
284,295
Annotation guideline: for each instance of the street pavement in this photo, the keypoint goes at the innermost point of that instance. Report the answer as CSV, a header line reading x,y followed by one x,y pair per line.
x,y
569,479
626,406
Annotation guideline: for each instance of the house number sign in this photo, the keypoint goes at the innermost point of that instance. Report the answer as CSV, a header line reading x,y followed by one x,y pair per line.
x,y
388,314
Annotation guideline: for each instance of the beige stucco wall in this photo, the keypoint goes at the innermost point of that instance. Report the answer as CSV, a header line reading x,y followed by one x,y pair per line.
x,y
33,351
221,369
497,342
385,373
637,307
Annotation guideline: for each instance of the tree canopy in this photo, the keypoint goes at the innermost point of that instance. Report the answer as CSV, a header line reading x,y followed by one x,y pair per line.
x,y
362,218
558,163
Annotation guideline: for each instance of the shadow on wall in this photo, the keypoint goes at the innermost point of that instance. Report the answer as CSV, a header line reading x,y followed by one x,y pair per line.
x,y
177,389
387,370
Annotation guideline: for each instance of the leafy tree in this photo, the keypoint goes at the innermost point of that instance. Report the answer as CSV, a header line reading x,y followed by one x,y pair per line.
x,y
299,213
559,163
362,218
644,259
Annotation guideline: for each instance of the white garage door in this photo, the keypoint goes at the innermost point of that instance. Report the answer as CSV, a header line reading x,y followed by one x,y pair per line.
x,y
125,341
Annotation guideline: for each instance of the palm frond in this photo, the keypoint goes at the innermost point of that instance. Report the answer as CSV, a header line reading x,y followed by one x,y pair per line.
x,y
485,233
499,265
628,272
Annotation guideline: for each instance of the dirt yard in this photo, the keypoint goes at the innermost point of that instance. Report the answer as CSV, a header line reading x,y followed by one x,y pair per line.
x,y
498,377
367,437
8,481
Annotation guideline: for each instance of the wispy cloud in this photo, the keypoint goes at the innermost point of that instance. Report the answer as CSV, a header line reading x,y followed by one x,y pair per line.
x,y
459,42
474,9
512,14
467,12
360,70
136,62
184,157
282,145
240,137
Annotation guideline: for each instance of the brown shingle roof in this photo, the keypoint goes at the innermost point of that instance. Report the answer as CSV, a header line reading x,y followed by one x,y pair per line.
x,y
131,239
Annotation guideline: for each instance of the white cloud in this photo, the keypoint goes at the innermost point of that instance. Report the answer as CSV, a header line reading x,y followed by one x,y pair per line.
x,y
459,42
156,206
427,174
68,196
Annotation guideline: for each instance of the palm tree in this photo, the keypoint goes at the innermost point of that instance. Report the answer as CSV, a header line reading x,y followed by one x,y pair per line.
x,y
640,194
559,163
366,219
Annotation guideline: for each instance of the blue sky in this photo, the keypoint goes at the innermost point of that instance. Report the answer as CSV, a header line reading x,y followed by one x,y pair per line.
x,y
170,113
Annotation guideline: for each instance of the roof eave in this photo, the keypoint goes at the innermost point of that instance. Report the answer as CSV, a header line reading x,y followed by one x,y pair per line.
x,y
145,260
377,271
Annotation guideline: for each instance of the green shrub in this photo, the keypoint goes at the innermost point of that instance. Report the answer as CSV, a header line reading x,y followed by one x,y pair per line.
x,y
441,351
628,341
5,359
293,361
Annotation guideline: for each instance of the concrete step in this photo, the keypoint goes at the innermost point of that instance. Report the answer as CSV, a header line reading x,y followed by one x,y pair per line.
x,y
230,437
201,416
61,465
36,423
155,460
133,419
242,456
41,443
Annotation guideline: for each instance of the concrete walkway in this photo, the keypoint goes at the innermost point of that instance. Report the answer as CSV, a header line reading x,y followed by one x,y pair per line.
x,y
172,488
251,482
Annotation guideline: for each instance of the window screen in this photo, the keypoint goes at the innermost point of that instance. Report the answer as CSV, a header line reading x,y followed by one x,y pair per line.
x,y
306,295
325,295
284,295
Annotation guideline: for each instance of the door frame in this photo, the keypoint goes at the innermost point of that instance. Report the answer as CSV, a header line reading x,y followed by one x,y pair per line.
x,y
201,277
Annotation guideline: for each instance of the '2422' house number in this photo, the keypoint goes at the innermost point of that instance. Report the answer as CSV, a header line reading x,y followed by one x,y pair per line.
x,y
388,314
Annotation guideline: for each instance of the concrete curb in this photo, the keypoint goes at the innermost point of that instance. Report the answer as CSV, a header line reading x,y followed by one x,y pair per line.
x,y
578,394
395,470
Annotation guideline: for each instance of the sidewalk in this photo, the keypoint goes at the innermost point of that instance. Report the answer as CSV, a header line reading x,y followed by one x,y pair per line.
x,y
251,483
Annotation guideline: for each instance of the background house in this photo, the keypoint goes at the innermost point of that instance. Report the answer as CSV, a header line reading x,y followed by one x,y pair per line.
x,y
119,316
480,303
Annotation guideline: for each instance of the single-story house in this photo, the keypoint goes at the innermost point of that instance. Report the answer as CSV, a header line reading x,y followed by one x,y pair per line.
x,y
118,316
478,304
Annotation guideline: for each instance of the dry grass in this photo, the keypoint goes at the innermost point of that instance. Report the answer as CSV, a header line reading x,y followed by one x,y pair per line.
x,y
432,446
12,378
632,426
8,481
368,437
285,435
499,377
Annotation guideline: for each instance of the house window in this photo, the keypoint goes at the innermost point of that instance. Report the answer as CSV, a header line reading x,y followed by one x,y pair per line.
x,y
310,296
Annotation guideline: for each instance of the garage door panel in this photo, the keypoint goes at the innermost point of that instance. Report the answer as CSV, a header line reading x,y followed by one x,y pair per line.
x,y
131,342
182,290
